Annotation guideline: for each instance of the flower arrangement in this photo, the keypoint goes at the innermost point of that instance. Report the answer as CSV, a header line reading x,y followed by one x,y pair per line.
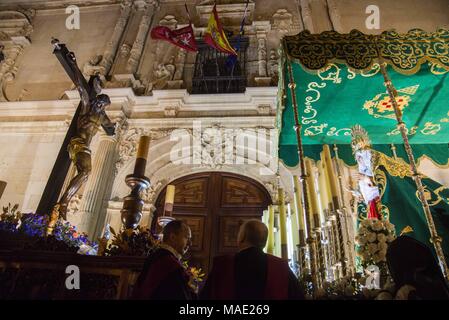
x,y
129,242
346,288
373,238
10,218
64,238
196,276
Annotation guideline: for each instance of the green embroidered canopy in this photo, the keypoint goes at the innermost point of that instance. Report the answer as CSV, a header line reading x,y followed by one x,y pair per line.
x,y
339,84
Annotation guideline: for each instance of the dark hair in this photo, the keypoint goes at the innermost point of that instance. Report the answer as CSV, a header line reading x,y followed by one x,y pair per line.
x,y
173,227
103,99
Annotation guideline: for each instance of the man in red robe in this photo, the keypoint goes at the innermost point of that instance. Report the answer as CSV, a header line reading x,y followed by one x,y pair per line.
x,y
251,274
163,277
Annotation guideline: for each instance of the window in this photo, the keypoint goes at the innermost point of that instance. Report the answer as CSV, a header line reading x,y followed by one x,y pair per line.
x,y
215,73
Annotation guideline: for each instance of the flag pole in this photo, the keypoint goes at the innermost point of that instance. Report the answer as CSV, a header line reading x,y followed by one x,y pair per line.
x,y
311,242
435,239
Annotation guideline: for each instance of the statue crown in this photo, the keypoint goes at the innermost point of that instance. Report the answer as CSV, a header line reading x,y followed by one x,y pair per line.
x,y
359,138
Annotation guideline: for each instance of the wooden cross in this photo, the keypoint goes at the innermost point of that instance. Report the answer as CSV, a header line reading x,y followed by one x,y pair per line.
x,y
62,164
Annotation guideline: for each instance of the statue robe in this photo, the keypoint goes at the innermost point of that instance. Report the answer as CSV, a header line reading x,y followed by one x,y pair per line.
x,y
399,200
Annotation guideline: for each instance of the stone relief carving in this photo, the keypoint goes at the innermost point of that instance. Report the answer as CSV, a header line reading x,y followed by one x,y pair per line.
x,y
74,204
171,111
282,21
15,29
149,195
127,146
264,110
262,55
144,26
273,66
91,66
8,68
163,74
125,50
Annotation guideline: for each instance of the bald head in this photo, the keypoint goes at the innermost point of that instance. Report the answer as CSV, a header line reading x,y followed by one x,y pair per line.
x,y
253,233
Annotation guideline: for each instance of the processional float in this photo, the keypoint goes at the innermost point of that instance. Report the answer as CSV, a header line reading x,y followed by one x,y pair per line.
x,y
393,85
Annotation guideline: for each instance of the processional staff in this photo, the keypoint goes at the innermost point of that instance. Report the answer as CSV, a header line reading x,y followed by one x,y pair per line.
x,y
435,238
311,241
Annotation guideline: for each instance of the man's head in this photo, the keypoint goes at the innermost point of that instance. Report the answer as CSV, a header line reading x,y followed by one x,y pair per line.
x,y
177,234
102,101
253,233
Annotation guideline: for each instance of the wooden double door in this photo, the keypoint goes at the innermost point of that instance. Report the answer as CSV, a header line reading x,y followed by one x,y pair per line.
x,y
214,205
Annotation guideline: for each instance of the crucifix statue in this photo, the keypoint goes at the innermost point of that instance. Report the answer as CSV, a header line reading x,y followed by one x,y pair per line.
x,y
88,118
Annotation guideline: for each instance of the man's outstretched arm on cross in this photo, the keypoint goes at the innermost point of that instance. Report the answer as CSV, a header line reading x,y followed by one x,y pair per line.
x,y
80,83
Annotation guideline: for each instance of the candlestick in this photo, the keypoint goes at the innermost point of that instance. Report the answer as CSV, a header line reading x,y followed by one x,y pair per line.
x,y
131,213
314,214
270,245
331,177
141,157
299,211
282,223
169,200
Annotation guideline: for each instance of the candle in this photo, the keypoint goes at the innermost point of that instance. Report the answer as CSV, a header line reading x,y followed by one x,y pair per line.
x,y
169,199
332,180
270,245
314,214
294,227
142,154
324,199
283,224
299,211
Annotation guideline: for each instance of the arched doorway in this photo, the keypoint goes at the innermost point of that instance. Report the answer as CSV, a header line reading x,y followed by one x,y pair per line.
x,y
214,205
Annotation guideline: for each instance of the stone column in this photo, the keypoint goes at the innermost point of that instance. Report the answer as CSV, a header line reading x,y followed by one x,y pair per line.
x,y
144,27
98,186
114,41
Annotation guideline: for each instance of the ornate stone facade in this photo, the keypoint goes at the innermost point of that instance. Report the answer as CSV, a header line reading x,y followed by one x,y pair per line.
x,y
149,83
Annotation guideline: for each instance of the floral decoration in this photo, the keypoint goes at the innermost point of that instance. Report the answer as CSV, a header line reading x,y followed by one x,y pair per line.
x,y
129,242
373,238
196,276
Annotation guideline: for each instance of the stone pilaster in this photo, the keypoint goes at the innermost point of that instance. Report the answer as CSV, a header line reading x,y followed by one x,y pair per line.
x,y
114,41
262,28
98,186
149,8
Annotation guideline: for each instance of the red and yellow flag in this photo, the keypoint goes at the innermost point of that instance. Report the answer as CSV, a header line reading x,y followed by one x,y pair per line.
x,y
215,36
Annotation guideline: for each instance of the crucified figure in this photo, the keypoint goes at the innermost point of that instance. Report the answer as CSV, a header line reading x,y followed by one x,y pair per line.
x,y
91,117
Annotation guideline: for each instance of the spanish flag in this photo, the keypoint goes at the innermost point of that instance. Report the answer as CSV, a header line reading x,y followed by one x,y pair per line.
x,y
215,36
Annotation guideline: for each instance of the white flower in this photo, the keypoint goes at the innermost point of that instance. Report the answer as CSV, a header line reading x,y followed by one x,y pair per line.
x,y
390,238
389,226
372,237
377,225
383,246
381,237
363,230
372,248
377,258
383,255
